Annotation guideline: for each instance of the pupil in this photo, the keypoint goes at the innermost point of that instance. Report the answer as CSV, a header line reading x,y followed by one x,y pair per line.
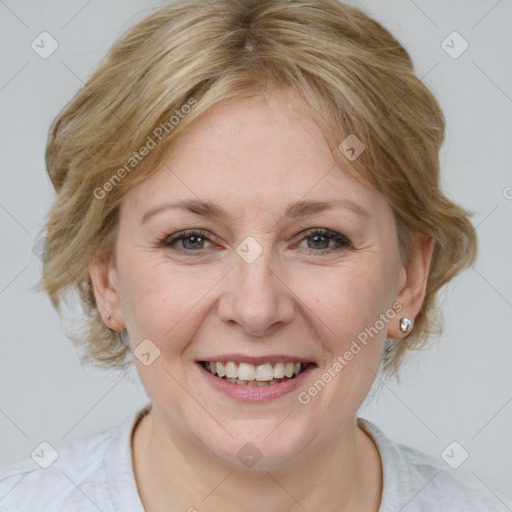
x,y
194,239
319,238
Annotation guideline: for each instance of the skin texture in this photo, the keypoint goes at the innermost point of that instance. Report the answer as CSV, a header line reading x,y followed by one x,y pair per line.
x,y
305,296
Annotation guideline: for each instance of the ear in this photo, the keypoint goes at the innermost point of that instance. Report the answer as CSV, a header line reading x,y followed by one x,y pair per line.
x,y
413,284
105,285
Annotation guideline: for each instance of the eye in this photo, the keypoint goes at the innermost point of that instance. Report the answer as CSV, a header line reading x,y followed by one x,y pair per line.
x,y
189,240
325,241
319,240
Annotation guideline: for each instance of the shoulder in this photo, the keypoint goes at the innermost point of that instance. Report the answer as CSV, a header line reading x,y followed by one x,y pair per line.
x,y
416,481
77,476
77,471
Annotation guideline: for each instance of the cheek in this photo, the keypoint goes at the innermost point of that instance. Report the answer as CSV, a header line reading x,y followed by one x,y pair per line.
x,y
346,307
164,302
347,299
164,305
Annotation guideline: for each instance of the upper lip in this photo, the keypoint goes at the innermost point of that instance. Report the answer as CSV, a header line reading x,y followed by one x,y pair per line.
x,y
241,358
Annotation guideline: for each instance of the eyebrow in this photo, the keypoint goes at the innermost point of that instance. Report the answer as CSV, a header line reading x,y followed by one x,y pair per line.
x,y
298,209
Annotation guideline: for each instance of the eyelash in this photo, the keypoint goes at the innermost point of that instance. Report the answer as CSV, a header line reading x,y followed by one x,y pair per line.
x,y
342,241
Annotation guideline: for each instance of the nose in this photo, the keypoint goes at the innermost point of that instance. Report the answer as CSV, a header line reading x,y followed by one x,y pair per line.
x,y
257,298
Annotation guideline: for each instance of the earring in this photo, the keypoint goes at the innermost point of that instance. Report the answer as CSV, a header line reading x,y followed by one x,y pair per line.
x,y
405,325
109,317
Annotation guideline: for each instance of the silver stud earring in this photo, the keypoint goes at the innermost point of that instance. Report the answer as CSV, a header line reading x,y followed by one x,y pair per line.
x,y
405,325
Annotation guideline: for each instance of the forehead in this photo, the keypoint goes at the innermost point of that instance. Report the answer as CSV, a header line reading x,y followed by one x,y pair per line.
x,y
253,152
255,120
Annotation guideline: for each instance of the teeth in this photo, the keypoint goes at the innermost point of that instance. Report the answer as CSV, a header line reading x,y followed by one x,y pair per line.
x,y
221,369
289,369
279,370
231,370
264,372
261,375
246,372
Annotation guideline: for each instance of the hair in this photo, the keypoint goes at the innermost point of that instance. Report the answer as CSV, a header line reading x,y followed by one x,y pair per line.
x,y
186,57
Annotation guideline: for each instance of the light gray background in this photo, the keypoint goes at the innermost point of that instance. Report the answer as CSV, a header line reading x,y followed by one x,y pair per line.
x,y
459,390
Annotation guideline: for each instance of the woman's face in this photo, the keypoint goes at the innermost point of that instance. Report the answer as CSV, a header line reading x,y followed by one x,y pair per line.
x,y
251,282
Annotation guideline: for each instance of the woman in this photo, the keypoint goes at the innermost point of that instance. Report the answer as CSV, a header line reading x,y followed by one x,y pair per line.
x,y
248,201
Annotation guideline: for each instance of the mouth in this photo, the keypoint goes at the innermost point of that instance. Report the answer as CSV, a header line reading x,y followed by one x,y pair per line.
x,y
265,374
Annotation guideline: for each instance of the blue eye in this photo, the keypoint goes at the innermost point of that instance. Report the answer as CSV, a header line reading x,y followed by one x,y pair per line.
x,y
319,241
191,240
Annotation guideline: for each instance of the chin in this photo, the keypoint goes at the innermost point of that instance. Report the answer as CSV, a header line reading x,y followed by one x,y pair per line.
x,y
256,445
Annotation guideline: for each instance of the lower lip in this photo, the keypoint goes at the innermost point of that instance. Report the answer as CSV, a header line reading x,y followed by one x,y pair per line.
x,y
254,393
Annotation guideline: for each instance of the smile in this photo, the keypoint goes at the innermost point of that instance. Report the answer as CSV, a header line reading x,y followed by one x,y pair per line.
x,y
247,374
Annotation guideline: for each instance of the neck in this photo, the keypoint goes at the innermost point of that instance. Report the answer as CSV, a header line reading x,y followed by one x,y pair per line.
x,y
172,470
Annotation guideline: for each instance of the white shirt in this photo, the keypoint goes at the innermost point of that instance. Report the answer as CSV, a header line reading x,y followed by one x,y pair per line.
x,y
96,474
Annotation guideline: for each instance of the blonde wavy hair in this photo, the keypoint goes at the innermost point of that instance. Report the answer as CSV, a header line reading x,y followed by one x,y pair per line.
x,y
352,72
